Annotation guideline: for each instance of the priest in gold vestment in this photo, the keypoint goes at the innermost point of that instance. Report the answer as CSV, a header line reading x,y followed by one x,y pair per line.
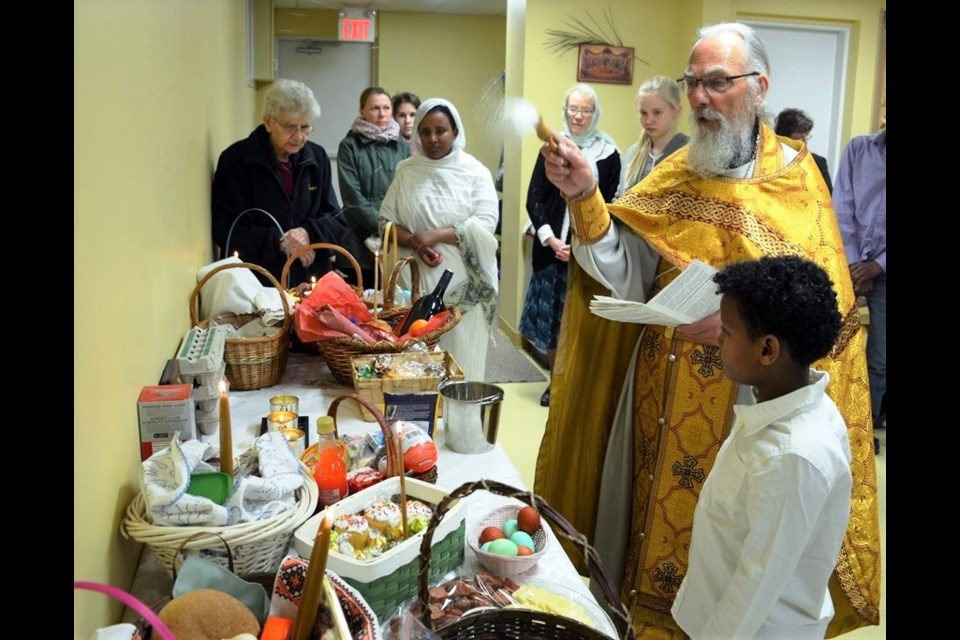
x,y
650,405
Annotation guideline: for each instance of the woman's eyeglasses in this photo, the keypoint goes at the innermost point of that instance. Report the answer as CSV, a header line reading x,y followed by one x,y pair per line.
x,y
572,111
291,129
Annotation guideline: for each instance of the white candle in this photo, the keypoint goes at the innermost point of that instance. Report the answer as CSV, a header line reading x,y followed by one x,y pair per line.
x,y
226,435
376,280
403,483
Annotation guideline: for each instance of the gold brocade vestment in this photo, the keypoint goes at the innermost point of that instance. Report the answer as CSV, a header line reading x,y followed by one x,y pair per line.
x,y
682,399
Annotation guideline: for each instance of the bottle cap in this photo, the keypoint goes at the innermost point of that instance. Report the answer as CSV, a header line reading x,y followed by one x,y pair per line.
x,y
326,425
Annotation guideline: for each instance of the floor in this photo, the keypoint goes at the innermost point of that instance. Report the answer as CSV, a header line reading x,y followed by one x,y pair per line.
x,y
521,428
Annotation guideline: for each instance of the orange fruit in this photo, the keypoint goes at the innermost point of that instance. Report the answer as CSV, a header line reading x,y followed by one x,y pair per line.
x,y
417,327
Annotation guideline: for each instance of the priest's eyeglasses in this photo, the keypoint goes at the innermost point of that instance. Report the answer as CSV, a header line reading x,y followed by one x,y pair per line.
x,y
711,84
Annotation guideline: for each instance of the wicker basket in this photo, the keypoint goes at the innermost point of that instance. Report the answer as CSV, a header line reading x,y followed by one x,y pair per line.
x,y
257,546
252,363
372,389
389,437
516,622
506,565
339,352
389,580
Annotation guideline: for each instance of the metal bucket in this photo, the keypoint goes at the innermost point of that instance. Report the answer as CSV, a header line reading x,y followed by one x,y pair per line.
x,y
471,415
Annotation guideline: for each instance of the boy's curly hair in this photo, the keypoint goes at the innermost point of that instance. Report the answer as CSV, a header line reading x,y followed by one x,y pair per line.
x,y
789,297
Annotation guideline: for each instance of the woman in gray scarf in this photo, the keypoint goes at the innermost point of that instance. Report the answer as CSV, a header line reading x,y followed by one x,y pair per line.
x,y
543,308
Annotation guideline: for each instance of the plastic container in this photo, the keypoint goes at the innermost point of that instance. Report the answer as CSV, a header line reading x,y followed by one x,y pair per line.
x,y
471,415
215,485
330,471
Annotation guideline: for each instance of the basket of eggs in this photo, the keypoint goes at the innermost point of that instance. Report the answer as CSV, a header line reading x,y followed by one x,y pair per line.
x,y
340,351
511,621
509,540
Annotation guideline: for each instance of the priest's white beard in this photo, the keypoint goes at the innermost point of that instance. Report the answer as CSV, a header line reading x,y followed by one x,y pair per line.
x,y
712,153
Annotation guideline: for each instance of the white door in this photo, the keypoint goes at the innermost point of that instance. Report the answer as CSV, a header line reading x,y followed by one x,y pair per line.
x,y
808,71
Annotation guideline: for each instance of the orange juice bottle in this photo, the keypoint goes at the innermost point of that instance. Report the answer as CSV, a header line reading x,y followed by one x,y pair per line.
x,y
330,470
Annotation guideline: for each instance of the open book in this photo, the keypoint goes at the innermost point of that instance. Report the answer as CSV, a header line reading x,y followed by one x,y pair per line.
x,y
691,296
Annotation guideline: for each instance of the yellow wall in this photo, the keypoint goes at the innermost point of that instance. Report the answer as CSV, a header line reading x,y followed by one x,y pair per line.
x,y
472,49
159,90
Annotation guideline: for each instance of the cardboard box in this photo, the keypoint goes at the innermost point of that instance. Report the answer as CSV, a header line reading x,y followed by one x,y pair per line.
x,y
372,388
164,410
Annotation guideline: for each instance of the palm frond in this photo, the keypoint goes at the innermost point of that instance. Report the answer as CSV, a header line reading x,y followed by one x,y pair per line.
x,y
560,41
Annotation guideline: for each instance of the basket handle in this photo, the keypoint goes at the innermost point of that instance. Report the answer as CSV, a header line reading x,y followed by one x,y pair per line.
x,y
226,249
395,277
618,612
195,294
131,601
394,466
285,274
195,536
390,233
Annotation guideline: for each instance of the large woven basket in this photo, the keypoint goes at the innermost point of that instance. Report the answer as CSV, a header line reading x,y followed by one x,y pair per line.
x,y
252,363
257,546
516,622
339,352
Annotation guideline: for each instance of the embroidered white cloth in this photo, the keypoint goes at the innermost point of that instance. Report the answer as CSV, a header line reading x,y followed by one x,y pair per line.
x,y
165,475
238,291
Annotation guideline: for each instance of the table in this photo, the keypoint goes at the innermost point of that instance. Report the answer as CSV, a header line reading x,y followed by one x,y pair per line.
x,y
308,378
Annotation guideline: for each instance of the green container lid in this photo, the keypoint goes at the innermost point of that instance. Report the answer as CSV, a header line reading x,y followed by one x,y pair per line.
x,y
215,485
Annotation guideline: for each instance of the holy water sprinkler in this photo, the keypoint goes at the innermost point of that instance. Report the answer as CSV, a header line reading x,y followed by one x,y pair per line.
x,y
545,133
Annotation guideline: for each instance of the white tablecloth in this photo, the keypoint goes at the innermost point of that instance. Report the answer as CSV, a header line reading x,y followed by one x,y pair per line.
x,y
308,378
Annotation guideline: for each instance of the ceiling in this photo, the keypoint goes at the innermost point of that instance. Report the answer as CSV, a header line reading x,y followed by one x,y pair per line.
x,y
462,7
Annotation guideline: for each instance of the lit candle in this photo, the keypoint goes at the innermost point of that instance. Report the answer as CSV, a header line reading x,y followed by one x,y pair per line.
x,y
312,596
236,254
226,436
313,285
403,482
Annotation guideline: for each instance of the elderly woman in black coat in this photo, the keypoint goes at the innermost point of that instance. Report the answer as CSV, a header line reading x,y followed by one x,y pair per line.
x,y
273,191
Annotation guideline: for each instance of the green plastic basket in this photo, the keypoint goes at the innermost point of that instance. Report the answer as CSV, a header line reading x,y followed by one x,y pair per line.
x,y
385,594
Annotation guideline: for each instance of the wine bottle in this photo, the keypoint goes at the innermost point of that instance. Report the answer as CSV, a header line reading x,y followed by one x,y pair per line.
x,y
427,306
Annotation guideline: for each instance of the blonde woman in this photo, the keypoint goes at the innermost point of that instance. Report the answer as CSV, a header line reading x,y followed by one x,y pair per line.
x,y
658,105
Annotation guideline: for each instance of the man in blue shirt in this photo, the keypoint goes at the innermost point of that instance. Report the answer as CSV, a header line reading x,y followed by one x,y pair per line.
x,y
860,200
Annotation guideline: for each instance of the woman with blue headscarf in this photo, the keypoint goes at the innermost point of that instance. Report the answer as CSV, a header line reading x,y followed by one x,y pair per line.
x,y
547,209
444,205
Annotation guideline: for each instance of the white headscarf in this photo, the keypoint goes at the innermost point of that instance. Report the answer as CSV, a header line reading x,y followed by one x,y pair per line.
x,y
596,145
458,143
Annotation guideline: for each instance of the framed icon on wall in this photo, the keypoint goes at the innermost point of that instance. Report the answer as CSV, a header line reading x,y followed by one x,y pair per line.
x,y
605,63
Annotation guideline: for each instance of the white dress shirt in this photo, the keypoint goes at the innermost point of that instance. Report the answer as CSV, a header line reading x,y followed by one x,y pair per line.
x,y
770,521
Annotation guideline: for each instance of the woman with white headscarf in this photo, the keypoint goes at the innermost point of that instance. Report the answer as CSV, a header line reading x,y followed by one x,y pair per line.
x,y
547,209
444,204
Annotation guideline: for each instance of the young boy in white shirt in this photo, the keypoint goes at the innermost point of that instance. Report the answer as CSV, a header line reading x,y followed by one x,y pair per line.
x,y
772,514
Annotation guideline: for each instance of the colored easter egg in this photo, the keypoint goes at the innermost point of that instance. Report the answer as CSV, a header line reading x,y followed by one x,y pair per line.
x,y
528,519
523,538
490,533
503,547
510,527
